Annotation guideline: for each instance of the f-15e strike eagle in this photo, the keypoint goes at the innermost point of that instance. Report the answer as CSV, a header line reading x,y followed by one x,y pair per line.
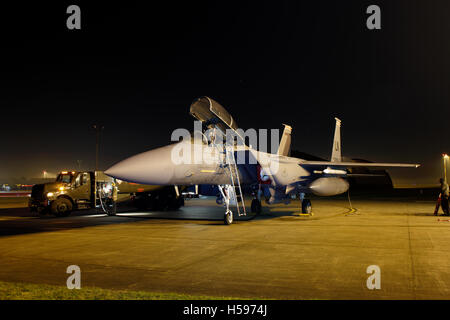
x,y
233,166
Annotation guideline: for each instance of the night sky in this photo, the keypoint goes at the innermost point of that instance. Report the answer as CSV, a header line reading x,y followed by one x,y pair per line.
x,y
136,69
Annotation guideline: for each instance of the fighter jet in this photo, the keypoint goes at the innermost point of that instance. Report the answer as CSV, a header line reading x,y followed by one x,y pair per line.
x,y
206,159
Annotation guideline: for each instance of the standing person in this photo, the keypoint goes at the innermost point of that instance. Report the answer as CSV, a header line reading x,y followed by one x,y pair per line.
x,y
444,196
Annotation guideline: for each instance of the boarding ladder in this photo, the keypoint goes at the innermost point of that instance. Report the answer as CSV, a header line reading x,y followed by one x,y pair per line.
x,y
234,178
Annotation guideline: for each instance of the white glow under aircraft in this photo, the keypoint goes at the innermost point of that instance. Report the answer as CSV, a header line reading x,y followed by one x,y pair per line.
x,y
278,176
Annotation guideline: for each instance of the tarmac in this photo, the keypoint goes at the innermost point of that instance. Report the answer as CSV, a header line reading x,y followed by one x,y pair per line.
x,y
276,255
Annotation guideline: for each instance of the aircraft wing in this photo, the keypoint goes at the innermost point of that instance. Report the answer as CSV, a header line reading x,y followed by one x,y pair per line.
x,y
359,164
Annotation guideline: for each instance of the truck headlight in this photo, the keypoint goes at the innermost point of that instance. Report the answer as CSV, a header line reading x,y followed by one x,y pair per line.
x,y
50,194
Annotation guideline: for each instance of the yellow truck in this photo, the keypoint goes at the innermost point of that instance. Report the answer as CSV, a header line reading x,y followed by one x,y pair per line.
x,y
78,190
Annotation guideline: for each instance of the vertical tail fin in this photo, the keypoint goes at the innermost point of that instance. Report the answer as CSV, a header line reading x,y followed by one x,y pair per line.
x,y
285,144
336,155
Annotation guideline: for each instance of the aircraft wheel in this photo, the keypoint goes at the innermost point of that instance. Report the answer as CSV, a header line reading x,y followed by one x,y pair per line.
x,y
61,207
306,206
228,219
256,206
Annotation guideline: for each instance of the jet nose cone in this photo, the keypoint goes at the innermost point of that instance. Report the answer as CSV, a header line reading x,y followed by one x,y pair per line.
x,y
151,167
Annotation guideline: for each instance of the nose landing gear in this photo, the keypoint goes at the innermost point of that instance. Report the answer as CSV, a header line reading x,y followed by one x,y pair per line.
x,y
228,218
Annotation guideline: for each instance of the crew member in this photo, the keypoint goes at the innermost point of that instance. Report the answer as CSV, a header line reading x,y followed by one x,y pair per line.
x,y
444,196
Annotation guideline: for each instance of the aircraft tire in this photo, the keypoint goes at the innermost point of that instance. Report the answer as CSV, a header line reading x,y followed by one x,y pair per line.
x,y
306,206
228,218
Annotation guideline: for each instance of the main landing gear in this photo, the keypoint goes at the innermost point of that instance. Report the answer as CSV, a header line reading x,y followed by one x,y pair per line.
x,y
256,206
256,202
306,204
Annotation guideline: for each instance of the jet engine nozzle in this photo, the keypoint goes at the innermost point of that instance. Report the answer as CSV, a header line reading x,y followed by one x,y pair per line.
x,y
328,186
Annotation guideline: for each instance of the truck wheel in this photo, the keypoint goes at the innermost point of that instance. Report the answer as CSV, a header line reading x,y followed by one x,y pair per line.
x,y
61,207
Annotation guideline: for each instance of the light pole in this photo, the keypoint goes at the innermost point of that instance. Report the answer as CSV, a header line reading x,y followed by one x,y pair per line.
x,y
79,164
445,157
98,128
